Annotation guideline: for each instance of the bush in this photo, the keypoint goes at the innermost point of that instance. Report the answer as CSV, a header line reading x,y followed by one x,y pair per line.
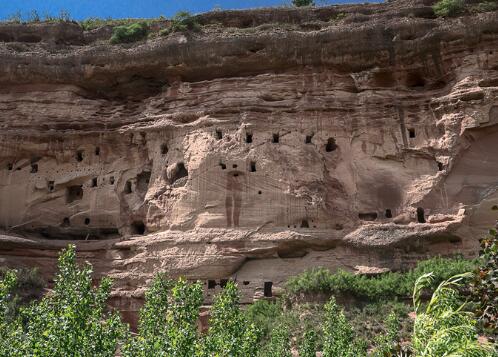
x,y
129,33
484,286
300,3
448,8
486,6
181,22
390,285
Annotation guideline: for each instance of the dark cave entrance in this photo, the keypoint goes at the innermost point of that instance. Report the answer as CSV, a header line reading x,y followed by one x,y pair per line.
x,y
268,289
420,215
138,227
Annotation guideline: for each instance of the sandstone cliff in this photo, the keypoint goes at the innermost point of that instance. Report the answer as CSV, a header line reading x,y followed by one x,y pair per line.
x,y
272,141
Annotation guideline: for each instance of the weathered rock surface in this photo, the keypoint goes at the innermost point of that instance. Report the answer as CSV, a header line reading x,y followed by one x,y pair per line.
x,y
250,151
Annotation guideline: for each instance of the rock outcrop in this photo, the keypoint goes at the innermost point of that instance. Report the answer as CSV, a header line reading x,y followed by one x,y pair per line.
x,y
272,141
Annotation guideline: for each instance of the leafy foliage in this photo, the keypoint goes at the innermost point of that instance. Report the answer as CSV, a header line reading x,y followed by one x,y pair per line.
x,y
279,343
339,339
448,8
181,22
300,3
386,344
485,284
168,320
444,328
229,333
390,285
307,348
72,321
129,33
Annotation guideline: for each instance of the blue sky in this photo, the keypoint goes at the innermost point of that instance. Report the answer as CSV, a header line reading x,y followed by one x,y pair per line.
x,y
80,9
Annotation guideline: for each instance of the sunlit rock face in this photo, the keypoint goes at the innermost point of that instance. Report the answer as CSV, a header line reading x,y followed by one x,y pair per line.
x,y
249,151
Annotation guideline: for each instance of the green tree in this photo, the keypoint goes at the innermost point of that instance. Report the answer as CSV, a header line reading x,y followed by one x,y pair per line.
x,y
71,321
229,333
307,348
168,320
152,339
386,344
338,335
445,328
300,3
279,343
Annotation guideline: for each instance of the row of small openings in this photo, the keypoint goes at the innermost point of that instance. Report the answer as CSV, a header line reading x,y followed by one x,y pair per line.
x,y
34,167
372,216
80,154
267,289
330,146
94,182
66,222
304,224
252,166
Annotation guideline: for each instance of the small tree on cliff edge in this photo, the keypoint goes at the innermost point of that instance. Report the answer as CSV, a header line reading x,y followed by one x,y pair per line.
x,y
300,3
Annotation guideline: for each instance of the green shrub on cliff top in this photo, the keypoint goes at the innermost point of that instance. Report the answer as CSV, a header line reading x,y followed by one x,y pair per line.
x,y
448,8
129,33
300,3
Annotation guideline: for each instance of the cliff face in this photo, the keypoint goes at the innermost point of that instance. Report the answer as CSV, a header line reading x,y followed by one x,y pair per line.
x,y
270,142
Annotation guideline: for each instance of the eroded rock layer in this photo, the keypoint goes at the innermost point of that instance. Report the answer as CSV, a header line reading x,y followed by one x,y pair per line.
x,y
250,151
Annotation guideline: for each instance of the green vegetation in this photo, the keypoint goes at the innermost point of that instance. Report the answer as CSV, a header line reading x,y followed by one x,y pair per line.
x,y
34,16
445,328
300,3
485,285
74,320
181,22
71,321
390,285
448,8
129,33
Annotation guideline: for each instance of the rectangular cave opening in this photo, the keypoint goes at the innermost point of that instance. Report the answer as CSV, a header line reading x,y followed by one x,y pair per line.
x,y
252,166
79,155
308,139
248,138
127,188
51,186
420,215
97,151
164,149
94,182
389,213
368,216
211,284
411,133
223,166
275,138
74,193
267,291
218,134
34,168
